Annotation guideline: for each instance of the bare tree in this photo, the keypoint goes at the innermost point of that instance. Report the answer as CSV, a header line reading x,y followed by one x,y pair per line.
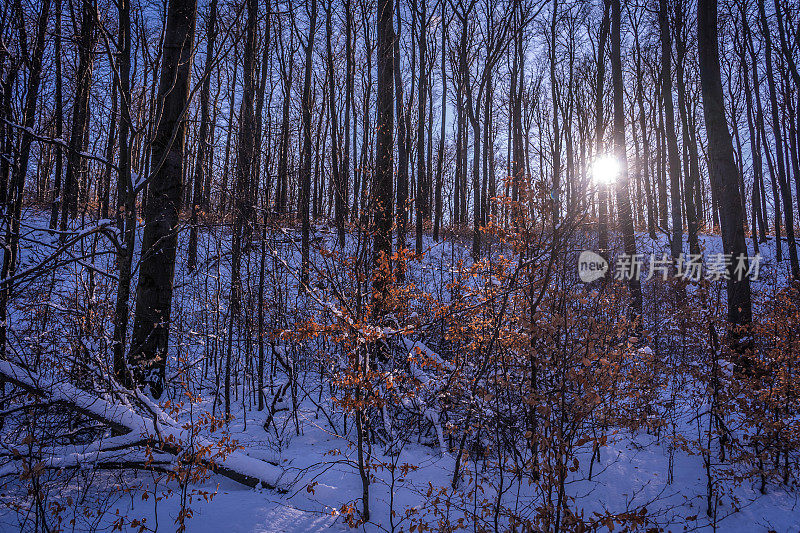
x,y
777,132
721,164
149,345
673,158
76,177
305,172
202,169
623,195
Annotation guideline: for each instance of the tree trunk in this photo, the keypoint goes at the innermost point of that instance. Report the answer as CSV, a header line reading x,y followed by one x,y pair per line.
x,y
722,167
402,147
673,157
283,152
199,195
13,201
349,106
437,217
645,169
305,176
126,198
556,190
602,232
149,346
59,105
242,207
692,174
623,196
786,193
338,186
226,167
383,179
420,199
76,164
759,222
105,183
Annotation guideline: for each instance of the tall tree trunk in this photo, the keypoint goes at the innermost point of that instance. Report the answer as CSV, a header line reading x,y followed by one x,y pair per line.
x,y
459,148
437,217
226,167
283,151
623,196
59,105
462,189
783,182
692,176
77,166
420,199
305,174
602,232
789,53
105,183
555,102
721,164
517,80
242,207
488,185
149,345
402,146
645,169
382,195
125,214
199,195
367,135
15,193
349,105
763,145
759,221
673,156
340,200
661,171
383,180
258,145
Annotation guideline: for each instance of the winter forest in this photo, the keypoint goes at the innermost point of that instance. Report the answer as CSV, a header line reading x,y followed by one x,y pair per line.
x,y
399,265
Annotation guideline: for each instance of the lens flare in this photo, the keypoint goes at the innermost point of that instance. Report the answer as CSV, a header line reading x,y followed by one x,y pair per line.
x,y
605,170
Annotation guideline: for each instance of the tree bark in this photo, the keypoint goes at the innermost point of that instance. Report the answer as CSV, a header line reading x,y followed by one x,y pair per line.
x,y
77,167
722,167
149,345
420,200
402,147
602,232
59,105
305,175
692,174
383,180
199,195
437,216
673,157
126,198
785,190
623,196
338,187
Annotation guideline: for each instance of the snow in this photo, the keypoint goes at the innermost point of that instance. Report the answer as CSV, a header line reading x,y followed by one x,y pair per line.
x,y
316,471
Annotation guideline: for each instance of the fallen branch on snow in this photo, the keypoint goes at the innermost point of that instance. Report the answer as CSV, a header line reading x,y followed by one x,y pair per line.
x,y
160,431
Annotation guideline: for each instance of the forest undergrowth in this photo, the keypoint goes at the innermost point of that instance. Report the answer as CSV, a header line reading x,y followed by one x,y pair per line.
x,y
525,381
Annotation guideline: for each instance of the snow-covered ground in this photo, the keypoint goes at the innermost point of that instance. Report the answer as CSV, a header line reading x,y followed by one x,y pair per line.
x,y
319,465
632,471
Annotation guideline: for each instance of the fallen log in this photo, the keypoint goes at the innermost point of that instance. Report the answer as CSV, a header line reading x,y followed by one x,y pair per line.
x,y
160,431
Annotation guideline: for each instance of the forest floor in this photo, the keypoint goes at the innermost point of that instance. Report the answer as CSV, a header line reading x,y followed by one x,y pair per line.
x,y
319,465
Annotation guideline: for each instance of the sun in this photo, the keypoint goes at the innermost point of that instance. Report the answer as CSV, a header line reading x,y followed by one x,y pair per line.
x,y
605,170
